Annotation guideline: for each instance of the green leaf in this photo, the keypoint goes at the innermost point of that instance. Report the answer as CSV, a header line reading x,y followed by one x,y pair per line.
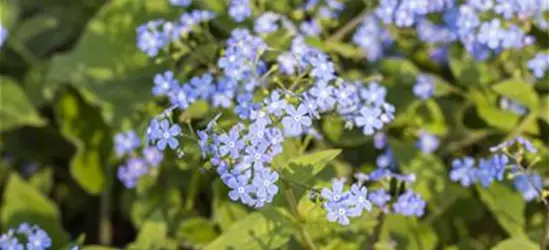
x,y
83,125
544,114
305,167
486,108
16,110
408,232
152,234
334,130
470,73
519,91
516,244
225,212
507,206
23,203
196,231
97,247
255,231
106,61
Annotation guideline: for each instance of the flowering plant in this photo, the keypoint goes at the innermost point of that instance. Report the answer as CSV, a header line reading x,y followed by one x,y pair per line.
x,y
240,124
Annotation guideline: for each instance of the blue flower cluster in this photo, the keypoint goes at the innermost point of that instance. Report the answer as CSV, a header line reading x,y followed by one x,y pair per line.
x,y
3,35
29,237
427,142
493,168
239,10
182,3
342,205
155,35
539,64
372,37
135,167
407,13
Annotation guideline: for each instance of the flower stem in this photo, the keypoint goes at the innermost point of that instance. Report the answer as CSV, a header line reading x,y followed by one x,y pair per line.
x,y
105,224
348,27
307,240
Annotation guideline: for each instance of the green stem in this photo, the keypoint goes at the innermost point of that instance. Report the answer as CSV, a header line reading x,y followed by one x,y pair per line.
x,y
192,191
105,224
307,240
545,237
377,231
348,27
23,52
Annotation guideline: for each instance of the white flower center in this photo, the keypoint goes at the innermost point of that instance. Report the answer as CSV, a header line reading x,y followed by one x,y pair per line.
x,y
336,197
241,190
231,144
166,135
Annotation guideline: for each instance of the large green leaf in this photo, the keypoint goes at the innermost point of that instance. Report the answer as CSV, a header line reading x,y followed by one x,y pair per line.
x,y
196,232
520,91
408,233
306,167
23,203
83,125
15,108
152,234
255,231
507,206
106,62
516,244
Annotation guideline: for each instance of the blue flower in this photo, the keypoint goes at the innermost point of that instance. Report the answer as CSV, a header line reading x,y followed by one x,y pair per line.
x,y
266,23
346,95
486,172
310,28
424,86
386,159
324,95
369,119
241,189
380,140
463,170
323,70
528,185
231,144
265,183
296,120
182,97
499,163
527,145
373,94
240,10
275,105
371,37
358,199
257,155
129,174
245,105
491,34
275,138
427,143
203,87
150,39
153,156
167,134
515,107
203,142
3,35
38,240
125,142
336,194
410,204
164,83
224,93
183,3
539,64
481,5
379,197
338,212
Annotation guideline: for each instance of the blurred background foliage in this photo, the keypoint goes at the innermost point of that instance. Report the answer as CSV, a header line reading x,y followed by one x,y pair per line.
x,y
71,77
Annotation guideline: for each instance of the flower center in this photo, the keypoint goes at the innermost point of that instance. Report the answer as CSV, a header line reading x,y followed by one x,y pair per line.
x,y
231,144
266,183
341,211
241,190
297,118
336,197
166,135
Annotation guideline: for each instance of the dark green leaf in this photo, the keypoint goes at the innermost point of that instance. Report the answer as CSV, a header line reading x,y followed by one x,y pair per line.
x,y
16,109
507,206
516,244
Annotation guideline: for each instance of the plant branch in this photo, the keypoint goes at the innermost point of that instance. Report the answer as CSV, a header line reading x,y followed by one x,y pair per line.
x,y
348,27
377,230
545,237
105,223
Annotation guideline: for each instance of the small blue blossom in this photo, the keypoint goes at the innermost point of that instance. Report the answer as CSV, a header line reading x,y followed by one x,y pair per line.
x,y
38,239
410,204
486,172
182,97
266,23
130,173
296,120
491,34
324,95
245,105
241,189
203,87
424,87
338,212
125,142
515,107
164,83
499,163
183,3
528,185
336,194
3,35
539,64
257,155
527,145
231,144
275,138
153,156
369,120
310,28
373,94
224,93
240,10
380,140
150,39
358,199
386,160
275,105
463,170
265,183
379,197
167,134
427,143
